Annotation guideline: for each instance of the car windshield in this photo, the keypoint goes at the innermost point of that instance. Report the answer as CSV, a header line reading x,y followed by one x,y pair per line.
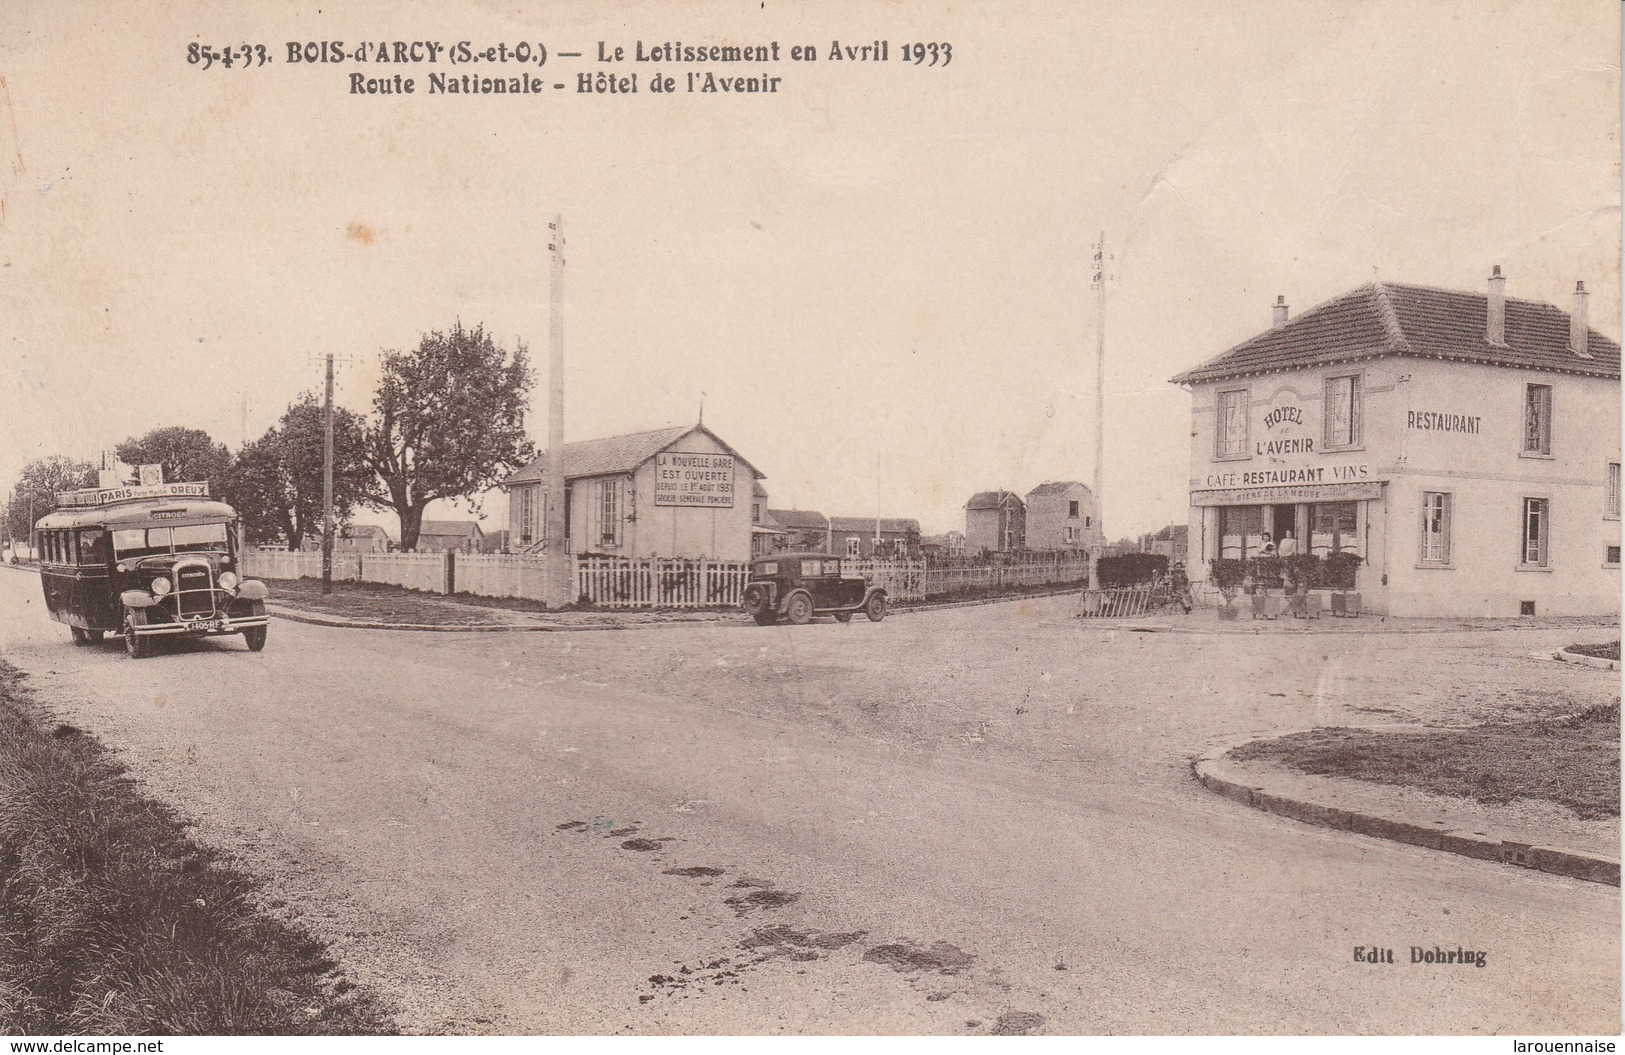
x,y
186,538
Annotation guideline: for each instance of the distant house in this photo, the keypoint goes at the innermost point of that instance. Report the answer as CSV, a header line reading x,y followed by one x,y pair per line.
x,y
363,538
673,492
874,537
438,536
995,522
1062,515
804,530
766,535
947,544
1172,542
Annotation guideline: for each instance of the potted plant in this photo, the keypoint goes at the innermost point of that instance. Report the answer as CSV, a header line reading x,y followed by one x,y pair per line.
x,y
1342,569
1269,597
1304,573
1227,574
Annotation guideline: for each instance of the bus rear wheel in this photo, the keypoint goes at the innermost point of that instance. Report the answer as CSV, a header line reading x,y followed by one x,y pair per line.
x,y
137,646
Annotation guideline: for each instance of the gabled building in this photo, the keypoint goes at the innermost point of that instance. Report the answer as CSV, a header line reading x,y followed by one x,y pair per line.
x,y
1063,515
995,522
1463,446
883,537
947,544
672,492
804,530
438,536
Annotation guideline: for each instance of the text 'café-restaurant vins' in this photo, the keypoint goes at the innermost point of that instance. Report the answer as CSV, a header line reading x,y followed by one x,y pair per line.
x,y
1464,446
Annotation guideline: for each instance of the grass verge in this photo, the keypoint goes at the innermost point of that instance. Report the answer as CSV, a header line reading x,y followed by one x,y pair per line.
x,y
1608,651
1571,761
112,922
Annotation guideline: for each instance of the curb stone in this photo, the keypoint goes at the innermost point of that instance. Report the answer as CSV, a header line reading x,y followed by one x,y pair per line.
x,y
1563,655
1554,860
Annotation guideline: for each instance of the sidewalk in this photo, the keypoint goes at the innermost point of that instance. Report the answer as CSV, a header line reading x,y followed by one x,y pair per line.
x,y
1527,833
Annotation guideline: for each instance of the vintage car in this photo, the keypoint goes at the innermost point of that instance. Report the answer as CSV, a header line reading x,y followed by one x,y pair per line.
x,y
798,586
161,563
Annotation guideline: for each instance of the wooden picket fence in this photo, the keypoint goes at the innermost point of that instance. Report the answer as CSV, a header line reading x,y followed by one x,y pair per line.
x,y
645,582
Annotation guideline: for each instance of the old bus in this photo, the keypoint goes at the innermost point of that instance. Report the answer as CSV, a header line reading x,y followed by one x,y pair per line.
x,y
145,563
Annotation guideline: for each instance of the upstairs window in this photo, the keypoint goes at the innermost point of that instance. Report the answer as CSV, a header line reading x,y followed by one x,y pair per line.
x,y
854,546
1343,412
1072,509
1537,419
1231,426
1611,508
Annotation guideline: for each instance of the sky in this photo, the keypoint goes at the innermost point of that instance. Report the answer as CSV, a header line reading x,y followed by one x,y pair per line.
x,y
877,279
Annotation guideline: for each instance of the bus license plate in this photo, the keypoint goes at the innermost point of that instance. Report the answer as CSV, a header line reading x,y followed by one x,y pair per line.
x,y
205,624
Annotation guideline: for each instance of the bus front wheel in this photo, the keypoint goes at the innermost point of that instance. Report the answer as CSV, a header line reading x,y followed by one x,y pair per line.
x,y
254,636
137,646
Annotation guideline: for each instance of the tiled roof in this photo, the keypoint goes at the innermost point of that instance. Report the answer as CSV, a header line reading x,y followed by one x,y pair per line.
x,y
992,499
1056,487
799,518
615,454
892,525
1387,319
459,528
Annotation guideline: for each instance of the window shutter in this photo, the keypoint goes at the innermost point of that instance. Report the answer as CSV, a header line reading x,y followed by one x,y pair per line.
x,y
1356,411
1447,501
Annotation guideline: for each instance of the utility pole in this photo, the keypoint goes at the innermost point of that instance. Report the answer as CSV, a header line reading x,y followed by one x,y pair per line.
x,y
875,551
554,554
1098,279
327,482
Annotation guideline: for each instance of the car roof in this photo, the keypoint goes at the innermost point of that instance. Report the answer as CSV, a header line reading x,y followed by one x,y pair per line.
x,y
139,513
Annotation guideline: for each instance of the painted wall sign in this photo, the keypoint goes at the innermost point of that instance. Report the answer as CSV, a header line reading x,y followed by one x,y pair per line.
x,y
1285,428
1247,496
1435,421
694,480
1317,474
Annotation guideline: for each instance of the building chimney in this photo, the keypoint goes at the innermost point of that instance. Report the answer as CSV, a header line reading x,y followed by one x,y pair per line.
x,y
1495,325
1280,312
1578,326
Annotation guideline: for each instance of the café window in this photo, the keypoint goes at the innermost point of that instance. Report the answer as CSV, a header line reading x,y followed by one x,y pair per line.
x,y
1343,412
1435,527
1537,419
1334,527
1537,526
1611,506
1240,531
609,513
1231,426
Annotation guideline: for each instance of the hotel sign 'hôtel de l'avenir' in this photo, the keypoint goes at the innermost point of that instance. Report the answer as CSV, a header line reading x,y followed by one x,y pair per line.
x,y
1464,445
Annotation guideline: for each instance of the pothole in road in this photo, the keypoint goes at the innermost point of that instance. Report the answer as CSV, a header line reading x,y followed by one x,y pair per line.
x,y
644,845
768,899
697,872
1018,1024
905,956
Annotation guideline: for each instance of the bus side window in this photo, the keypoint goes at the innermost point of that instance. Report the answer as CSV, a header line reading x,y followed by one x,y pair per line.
x,y
72,546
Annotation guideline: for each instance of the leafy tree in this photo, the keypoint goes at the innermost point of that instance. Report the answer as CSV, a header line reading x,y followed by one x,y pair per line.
x,y
447,422
186,455
276,481
36,491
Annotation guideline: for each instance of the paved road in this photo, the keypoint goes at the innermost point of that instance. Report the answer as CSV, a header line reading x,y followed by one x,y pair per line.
x,y
953,822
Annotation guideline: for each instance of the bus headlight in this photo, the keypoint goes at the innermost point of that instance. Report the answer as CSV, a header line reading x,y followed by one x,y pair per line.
x,y
160,586
227,580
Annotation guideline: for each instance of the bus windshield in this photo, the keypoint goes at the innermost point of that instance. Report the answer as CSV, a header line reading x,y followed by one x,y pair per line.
x,y
141,542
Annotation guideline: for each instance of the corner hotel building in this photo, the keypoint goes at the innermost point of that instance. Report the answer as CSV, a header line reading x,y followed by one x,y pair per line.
x,y
1466,445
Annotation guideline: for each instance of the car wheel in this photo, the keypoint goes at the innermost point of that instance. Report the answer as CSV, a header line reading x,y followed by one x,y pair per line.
x,y
799,610
137,646
94,636
80,638
876,608
843,617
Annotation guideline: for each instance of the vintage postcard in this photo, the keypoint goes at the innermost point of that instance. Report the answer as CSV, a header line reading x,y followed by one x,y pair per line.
x,y
730,517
